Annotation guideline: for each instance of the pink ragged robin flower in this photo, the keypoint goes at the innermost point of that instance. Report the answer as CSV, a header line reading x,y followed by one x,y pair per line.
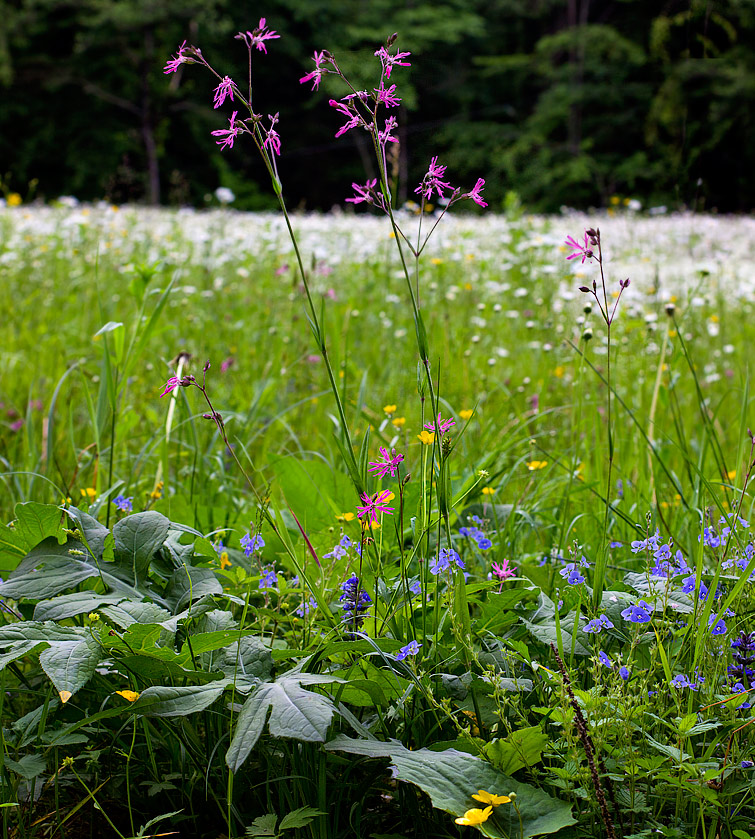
x,y
389,463
441,425
318,72
175,62
385,135
504,570
475,193
172,383
432,181
228,135
374,505
579,250
363,193
390,61
258,37
225,88
387,95
272,139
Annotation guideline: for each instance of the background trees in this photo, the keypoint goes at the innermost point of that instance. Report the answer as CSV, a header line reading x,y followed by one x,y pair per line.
x,y
561,101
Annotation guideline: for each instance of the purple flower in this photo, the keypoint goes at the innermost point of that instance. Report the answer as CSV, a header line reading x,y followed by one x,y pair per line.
x,y
385,135
354,601
597,624
363,193
604,659
475,193
624,673
174,63
346,108
125,505
390,61
412,648
718,626
387,95
374,505
172,383
432,181
579,250
571,574
639,613
228,135
225,88
318,72
258,37
305,607
269,579
747,764
504,570
440,425
442,562
415,587
272,139
484,544
615,544
250,544
389,463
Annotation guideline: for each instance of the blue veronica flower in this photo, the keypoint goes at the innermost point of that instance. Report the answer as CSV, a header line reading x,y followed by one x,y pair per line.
x,y
615,544
484,543
571,574
604,659
269,579
717,624
125,505
638,613
415,587
624,673
412,648
250,544
747,764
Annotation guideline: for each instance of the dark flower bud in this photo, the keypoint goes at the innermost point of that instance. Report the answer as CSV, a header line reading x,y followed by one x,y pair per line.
x,y
587,334
585,289
624,283
206,366
670,309
391,39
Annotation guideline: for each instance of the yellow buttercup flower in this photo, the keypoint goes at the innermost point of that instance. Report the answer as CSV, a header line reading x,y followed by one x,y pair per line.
x,y
534,465
14,200
345,517
489,798
488,490
89,493
426,437
436,260
559,371
389,409
129,695
398,421
475,816
731,475
466,414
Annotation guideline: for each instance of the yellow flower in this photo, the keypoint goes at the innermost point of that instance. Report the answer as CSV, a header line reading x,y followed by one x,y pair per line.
x,y
468,286
426,437
389,497
345,517
475,816
533,465
466,414
436,261
488,491
93,617
14,200
489,798
129,695
389,409
224,561
89,493
731,475
157,492
615,200
559,371
398,421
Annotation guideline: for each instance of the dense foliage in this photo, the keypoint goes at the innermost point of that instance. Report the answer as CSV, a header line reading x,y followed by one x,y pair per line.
x,y
560,102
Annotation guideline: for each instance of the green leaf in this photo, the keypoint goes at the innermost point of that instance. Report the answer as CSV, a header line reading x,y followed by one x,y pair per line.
x,y
36,522
300,818
546,633
137,537
68,605
188,584
48,631
93,533
294,712
450,778
70,664
19,650
29,767
129,612
254,662
521,748
45,571
167,701
655,589
263,826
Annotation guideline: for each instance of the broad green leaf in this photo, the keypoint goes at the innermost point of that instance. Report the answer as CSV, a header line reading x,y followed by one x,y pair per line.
x,y
134,611
36,522
188,584
294,712
546,633
70,664
52,577
18,650
29,767
658,588
12,548
68,605
300,818
93,533
450,778
263,826
166,701
49,631
521,748
253,662
137,537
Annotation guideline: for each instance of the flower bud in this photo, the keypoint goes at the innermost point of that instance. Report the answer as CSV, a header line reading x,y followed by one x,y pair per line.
x,y
587,334
670,309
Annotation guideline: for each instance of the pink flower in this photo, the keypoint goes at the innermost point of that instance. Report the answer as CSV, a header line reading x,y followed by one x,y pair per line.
x,y
363,193
225,88
441,425
347,109
504,570
374,505
579,250
227,364
385,136
228,135
317,73
17,425
390,61
272,140
389,463
258,37
432,181
172,383
475,193
175,63
387,95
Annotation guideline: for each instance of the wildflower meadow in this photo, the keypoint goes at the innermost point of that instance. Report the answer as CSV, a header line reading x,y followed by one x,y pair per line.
x,y
430,520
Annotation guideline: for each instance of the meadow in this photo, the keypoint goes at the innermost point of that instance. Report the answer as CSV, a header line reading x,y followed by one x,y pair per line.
x,y
545,606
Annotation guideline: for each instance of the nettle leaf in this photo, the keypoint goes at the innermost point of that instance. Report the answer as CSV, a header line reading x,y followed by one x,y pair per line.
x,y
70,664
68,605
294,712
300,817
547,634
450,778
137,537
263,826
167,701
521,748
29,767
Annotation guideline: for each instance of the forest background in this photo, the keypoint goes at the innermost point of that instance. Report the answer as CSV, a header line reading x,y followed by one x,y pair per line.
x,y
555,102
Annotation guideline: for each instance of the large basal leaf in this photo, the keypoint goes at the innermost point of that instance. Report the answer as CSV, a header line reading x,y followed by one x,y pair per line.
x,y
252,663
521,748
659,588
137,537
450,778
188,584
45,571
68,605
294,712
70,664
18,650
547,634
53,633
93,533
135,611
166,701
36,522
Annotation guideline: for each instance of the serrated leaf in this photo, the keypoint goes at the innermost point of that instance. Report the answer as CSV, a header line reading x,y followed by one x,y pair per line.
x,y
521,748
68,605
294,712
300,818
70,664
451,777
137,537
167,701
263,826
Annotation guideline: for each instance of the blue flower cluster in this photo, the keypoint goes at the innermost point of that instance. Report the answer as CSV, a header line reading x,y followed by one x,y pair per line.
x,y
477,534
250,544
598,624
125,505
743,655
412,648
570,572
342,548
444,559
354,601
640,612
681,681
269,579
